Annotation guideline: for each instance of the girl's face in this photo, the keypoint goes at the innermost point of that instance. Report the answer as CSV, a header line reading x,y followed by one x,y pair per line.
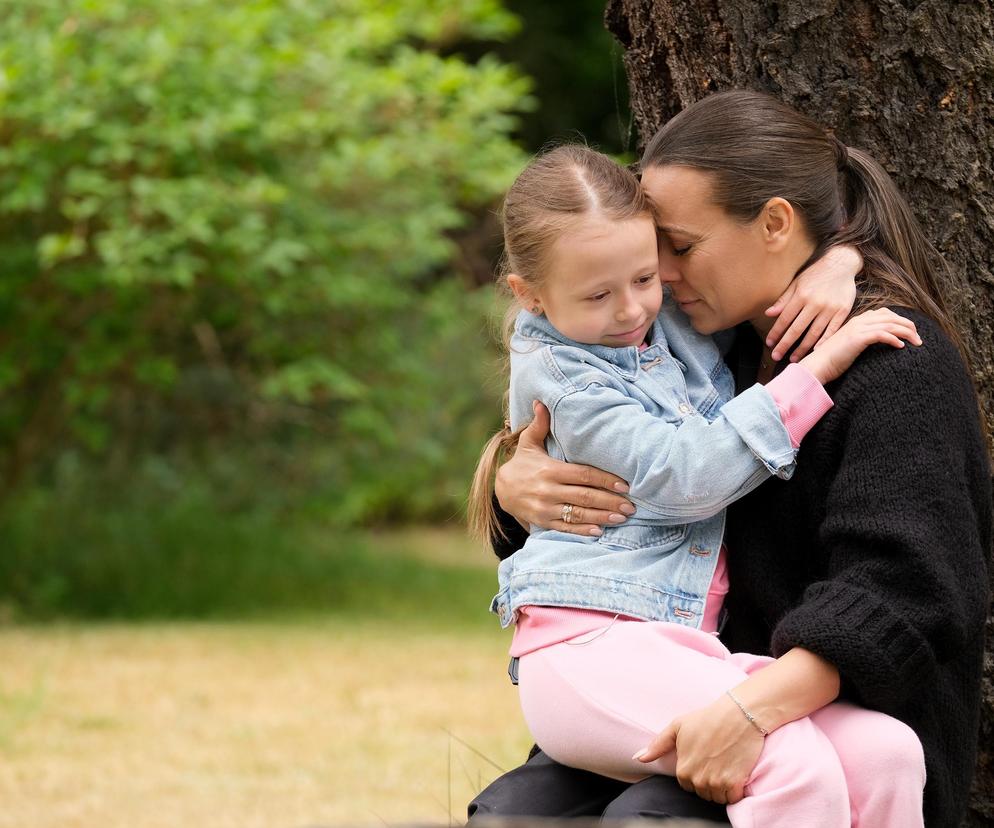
x,y
602,285
720,271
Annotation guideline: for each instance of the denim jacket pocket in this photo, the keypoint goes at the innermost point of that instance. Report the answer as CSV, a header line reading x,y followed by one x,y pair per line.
x,y
643,536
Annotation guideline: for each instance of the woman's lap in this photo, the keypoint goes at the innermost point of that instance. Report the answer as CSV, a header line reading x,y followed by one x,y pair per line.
x,y
543,788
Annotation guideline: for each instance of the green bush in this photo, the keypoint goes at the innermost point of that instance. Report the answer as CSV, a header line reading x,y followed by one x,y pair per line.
x,y
185,543
237,218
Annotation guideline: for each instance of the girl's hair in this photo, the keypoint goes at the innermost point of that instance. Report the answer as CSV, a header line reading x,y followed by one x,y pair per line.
x,y
552,195
756,148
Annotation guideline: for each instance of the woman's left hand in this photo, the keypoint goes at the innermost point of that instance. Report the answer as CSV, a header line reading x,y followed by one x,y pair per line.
x,y
818,301
716,750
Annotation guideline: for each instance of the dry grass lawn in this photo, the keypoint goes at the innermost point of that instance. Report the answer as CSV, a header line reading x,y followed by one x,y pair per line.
x,y
256,724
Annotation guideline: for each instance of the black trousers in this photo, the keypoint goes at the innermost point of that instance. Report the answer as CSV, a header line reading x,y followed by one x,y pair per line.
x,y
543,788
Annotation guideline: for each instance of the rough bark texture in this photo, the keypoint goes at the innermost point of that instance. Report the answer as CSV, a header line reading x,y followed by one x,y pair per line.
x,y
911,82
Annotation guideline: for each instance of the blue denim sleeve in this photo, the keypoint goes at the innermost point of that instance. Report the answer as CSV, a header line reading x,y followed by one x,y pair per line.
x,y
677,471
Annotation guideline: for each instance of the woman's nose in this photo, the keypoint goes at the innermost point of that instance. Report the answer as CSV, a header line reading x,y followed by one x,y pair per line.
x,y
668,271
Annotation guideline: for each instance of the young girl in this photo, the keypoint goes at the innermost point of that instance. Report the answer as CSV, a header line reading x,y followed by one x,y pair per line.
x,y
632,389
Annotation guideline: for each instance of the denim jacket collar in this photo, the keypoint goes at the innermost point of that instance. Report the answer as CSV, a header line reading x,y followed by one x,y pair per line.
x,y
625,360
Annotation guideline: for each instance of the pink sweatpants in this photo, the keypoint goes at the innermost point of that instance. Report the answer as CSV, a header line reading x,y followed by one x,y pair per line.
x,y
593,701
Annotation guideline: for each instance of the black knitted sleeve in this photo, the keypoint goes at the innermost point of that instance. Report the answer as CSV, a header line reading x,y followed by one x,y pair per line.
x,y
515,534
906,524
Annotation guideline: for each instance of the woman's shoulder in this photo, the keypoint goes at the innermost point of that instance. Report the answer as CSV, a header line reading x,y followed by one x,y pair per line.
x,y
924,390
935,363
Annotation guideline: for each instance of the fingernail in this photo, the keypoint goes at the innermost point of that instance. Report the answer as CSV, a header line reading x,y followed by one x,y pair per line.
x,y
620,487
535,406
597,531
640,753
615,518
793,359
769,342
627,508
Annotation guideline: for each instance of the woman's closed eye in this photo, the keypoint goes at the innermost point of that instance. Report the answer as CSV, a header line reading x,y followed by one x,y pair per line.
x,y
680,251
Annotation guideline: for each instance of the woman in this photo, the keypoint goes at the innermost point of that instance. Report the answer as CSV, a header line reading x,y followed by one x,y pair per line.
x,y
866,575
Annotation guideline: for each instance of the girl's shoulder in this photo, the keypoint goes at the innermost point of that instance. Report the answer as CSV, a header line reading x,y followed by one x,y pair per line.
x,y
548,372
568,366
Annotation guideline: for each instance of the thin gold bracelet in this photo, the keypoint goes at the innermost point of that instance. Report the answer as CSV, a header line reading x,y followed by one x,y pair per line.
x,y
747,714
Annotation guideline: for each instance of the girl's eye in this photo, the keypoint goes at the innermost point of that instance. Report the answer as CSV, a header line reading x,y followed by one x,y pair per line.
x,y
644,280
597,297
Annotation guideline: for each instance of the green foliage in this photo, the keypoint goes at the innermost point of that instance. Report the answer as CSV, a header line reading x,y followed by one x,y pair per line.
x,y
222,218
180,542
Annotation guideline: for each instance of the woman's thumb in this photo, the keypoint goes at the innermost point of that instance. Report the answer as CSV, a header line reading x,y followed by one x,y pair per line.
x,y
538,429
660,746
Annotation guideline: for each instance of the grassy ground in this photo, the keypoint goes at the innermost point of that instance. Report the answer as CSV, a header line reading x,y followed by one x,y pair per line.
x,y
348,717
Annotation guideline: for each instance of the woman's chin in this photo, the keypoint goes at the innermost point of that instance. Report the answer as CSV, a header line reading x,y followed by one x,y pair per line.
x,y
706,325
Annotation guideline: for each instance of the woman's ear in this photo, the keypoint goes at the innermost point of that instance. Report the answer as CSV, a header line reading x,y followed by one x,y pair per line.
x,y
779,223
524,294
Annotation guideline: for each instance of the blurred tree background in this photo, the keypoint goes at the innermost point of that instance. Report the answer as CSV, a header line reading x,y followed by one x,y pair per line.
x,y
245,257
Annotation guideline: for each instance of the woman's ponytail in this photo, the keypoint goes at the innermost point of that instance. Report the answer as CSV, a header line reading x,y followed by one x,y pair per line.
x,y
901,266
481,515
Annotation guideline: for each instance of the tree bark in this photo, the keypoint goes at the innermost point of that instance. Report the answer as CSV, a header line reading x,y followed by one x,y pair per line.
x,y
911,82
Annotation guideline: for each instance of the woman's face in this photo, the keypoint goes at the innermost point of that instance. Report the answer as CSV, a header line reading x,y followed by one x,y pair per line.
x,y
720,271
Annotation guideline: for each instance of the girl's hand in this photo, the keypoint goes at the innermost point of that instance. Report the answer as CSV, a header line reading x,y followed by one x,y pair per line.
x,y
819,300
716,750
831,359
533,487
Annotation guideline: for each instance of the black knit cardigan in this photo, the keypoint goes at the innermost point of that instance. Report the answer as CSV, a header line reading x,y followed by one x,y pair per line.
x,y
875,555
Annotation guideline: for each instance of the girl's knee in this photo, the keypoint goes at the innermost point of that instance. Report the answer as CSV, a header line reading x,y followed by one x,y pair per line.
x,y
888,750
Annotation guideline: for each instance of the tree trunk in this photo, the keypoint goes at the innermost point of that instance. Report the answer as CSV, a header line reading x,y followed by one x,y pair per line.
x,y
911,82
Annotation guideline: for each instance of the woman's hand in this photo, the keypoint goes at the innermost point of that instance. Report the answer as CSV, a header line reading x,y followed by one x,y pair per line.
x,y
534,488
819,300
834,356
717,746
716,750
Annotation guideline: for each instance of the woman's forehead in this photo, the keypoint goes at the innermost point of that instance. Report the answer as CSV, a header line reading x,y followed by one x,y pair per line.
x,y
681,196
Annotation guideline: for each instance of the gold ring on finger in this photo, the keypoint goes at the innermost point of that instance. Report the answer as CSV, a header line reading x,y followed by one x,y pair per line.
x,y
567,513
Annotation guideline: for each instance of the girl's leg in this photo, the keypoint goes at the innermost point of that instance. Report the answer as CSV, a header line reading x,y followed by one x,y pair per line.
x,y
883,763
593,701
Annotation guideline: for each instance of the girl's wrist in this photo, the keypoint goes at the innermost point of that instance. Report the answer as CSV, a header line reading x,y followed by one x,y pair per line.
x,y
816,366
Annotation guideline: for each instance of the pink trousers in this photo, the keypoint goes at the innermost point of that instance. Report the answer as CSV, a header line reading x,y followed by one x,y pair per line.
x,y
593,701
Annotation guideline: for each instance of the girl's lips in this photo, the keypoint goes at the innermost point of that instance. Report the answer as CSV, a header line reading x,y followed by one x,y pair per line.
x,y
634,333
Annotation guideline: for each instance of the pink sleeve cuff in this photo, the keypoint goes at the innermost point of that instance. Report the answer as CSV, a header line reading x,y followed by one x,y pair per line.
x,y
801,400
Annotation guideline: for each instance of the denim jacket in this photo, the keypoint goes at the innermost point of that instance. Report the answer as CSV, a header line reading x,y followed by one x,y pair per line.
x,y
662,419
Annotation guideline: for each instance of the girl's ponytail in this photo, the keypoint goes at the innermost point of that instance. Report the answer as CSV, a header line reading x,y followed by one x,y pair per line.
x,y
481,515
558,189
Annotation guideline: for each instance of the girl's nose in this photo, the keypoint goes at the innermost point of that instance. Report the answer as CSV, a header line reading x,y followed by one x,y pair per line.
x,y
628,309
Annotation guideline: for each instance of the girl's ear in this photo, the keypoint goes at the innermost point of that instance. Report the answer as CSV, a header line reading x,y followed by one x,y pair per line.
x,y
524,294
779,223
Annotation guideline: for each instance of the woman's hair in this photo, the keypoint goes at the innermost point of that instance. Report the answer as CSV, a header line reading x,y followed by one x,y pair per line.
x,y
756,148
551,196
